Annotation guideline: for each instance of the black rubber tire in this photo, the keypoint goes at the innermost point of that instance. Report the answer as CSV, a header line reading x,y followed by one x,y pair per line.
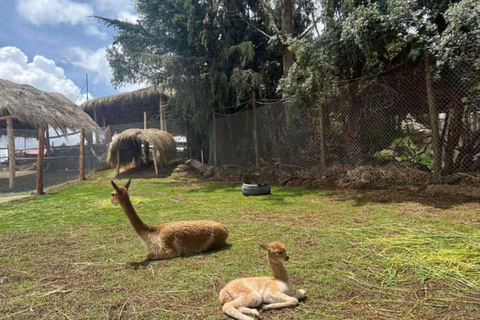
x,y
258,189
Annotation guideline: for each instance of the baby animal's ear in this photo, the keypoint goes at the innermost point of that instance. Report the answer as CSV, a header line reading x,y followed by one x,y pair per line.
x,y
114,185
264,246
128,184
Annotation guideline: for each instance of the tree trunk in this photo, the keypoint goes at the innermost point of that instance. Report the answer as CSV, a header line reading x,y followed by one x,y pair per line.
x,y
433,111
81,171
41,148
11,152
288,25
455,131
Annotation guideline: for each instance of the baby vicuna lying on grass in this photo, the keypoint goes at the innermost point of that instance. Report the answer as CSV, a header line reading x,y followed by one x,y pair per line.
x,y
171,239
240,295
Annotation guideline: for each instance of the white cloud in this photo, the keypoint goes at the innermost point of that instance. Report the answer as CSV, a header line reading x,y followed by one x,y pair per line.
x,y
96,63
93,61
128,17
51,12
41,73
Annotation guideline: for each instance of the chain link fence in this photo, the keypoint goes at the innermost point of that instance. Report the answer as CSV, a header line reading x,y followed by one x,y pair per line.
x,y
368,124
61,155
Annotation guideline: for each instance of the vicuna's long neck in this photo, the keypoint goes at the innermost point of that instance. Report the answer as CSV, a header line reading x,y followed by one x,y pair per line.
x,y
279,271
132,215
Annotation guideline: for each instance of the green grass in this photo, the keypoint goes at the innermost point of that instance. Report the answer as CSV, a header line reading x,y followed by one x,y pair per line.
x,y
369,255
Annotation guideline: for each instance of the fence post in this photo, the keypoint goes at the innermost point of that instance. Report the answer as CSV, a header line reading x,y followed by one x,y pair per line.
x,y
160,110
41,148
11,152
433,111
323,155
81,171
214,139
255,128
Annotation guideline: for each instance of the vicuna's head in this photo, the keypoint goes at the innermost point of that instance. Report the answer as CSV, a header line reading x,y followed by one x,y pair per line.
x,y
120,193
276,251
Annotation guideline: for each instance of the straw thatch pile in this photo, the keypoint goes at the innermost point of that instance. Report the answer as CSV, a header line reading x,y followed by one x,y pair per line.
x,y
125,107
35,109
129,143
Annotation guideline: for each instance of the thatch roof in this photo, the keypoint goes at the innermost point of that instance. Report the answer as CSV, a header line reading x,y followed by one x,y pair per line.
x,y
35,109
125,107
129,143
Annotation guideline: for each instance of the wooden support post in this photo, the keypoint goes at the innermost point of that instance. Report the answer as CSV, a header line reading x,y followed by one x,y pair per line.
x,y
255,129
164,120
323,153
146,150
155,164
47,142
433,111
81,160
109,133
11,152
118,163
41,148
145,120
160,111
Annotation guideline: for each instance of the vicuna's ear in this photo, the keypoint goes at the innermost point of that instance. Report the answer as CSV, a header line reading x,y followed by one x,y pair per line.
x,y
128,184
114,185
264,246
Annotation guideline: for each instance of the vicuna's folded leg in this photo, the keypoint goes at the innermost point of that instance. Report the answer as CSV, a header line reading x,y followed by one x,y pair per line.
x,y
235,308
279,301
253,312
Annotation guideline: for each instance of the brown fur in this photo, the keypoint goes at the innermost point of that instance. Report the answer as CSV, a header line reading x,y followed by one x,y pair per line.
x,y
172,239
241,295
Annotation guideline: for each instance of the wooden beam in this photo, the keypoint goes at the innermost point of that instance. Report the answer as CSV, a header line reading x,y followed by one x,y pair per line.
x,y
144,120
41,148
8,117
81,160
11,152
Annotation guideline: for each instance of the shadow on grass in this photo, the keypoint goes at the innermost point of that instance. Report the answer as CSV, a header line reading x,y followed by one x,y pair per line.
x,y
368,197
147,262
145,172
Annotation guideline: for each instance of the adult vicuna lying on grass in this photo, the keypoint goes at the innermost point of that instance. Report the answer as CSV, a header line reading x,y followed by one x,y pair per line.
x,y
240,295
171,239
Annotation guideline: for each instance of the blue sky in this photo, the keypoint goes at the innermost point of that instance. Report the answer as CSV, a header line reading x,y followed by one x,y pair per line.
x,y
51,44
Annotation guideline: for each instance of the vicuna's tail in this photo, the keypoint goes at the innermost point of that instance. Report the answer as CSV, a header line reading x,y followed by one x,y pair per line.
x,y
230,309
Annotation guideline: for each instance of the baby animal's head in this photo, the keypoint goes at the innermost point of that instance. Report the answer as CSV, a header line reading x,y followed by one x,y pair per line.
x,y
276,251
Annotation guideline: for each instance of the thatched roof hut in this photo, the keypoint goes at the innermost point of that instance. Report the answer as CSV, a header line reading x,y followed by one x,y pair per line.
x,y
127,148
128,107
25,107
31,108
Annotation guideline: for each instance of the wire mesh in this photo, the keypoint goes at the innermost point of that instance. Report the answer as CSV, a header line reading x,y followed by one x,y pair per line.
x,y
370,122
